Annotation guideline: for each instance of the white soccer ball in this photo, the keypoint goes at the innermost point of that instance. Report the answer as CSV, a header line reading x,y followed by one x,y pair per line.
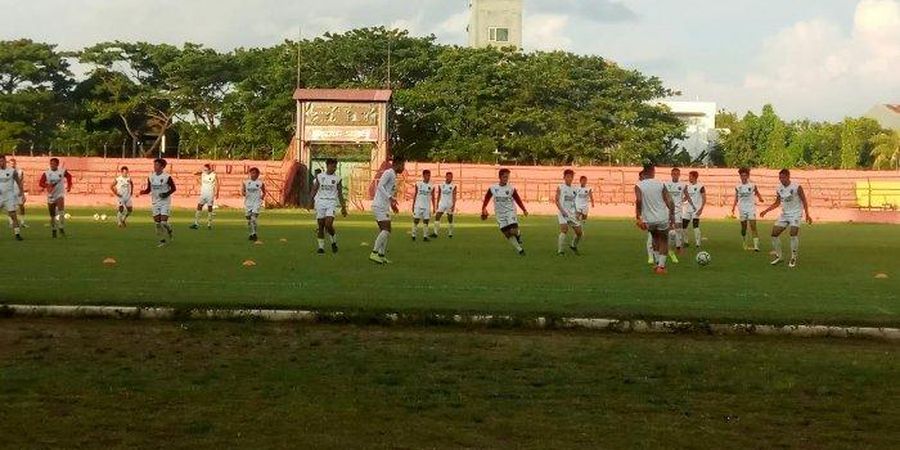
x,y
103,217
96,216
67,216
704,258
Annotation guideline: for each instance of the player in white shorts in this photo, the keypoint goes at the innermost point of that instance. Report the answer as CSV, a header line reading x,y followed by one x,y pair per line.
x,y
567,215
792,199
56,182
676,189
743,198
328,194
584,199
161,186
655,213
505,200
254,193
423,203
446,205
209,193
123,188
696,201
382,204
8,200
651,259
20,193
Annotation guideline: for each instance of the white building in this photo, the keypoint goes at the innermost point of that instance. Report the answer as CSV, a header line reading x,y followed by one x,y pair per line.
x,y
495,23
700,121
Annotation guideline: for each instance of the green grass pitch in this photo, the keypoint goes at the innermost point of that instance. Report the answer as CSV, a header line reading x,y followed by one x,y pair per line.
x,y
476,271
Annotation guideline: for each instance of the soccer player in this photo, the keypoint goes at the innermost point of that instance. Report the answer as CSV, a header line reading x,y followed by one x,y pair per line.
x,y
209,193
504,195
56,182
123,189
651,260
696,201
382,205
422,205
743,196
8,200
676,189
254,192
327,194
584,199
20,193
161,186
792,199
567,216
446,205
655,213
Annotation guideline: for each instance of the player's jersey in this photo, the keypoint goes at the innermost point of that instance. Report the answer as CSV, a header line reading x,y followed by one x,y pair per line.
x,y
676,191
745,193
694,192
423,194
208,183
790,200
7,181
159,184
123,186
653,205
328,188
253,188
21,174
385,189
447,193
583,197
56,180
504,205
567,197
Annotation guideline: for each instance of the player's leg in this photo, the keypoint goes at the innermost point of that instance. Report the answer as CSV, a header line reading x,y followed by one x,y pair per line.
x,y
197,213
415,228
21,213
698,238
436,228
381,241
795,244
120,214
320,235
755,233
685,223
160,231
51,208
210,213
9,205
450,225
579,235
651,253
674,239
332,233
164,223
253,220
561,239
776,242
744,226
661,238
513,236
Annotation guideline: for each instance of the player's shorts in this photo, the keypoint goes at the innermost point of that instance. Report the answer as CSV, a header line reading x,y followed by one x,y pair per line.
x,y
747,214
125,201
52,199
507,220
381,213
582,211
9,202
788,221
206,200
325,209
658,226
689,214
252,209
571,220
422,212
445,208
161,208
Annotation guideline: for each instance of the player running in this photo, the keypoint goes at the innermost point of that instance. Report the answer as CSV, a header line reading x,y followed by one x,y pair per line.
x,y
446,205
209,193
9,178
584,199
254,192
20,193
792,199
743,197
161,186
676,189
696,201
567,215
655,213
382,205
56,182
123,189
422,205
504,194
327,194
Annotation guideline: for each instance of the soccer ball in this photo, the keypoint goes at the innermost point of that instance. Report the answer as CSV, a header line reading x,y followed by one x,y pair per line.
x,y
96,216
703,258
103,217
67,216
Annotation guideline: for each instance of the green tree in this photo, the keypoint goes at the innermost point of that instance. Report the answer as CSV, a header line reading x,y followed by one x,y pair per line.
x,y
886,150
856,141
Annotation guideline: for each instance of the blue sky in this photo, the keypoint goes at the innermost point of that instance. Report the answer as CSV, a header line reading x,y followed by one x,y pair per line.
x,y
818,59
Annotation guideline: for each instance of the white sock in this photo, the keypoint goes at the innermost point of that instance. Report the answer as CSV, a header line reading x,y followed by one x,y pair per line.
x,y
756,242
776,245
253,223
333,238
61,218
437,226
159,229
650,251
795,245
197,217
577,240
321,243
209,218
661,262
697,238
381,242
561,242
16,230
450,227
515,243
415,230
167,227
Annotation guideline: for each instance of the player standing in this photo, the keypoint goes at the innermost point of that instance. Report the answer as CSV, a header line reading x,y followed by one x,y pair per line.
x,y
9,177
655,213
446,205
20,192
254,192
743,197
584,199
567,215
327,194
56,182
209,193
422,205
123,189
696,201
676,189
505,200
382,205
161,186
792,199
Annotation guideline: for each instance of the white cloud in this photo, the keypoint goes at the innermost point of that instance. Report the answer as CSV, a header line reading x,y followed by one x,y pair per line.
x,y
547,32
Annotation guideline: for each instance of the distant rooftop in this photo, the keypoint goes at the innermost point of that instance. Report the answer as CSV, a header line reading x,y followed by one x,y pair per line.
x,y
343,95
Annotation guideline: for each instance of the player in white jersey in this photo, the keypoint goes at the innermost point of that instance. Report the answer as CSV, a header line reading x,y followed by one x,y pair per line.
x,y
254,192
209,193
655,213
696,201
567,214
328,195
161,186
584,199
505,200
446,205
383,203
650,258
9,178
743,197
792,199
56,182
676,189
20,193
424,202
123,188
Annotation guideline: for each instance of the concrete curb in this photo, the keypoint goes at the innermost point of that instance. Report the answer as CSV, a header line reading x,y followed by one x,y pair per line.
x,y
597,324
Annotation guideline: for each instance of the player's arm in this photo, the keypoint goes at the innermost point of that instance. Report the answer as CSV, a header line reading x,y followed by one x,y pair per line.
x,y
341,199
453,205
638,206
243,189
68,181
667,198
262,188
43,182
702,200
315,189
805,203
434,197
773,206
146,190
130,186
559,207
758,195
487,199
112,189
519,202
19,182
593,204
172,189
734,205
216,188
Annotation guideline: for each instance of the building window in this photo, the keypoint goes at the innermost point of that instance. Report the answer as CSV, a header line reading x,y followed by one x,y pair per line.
x,y
499,34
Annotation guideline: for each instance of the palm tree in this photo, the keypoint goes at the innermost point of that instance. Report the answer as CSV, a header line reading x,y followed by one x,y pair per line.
x,y
886,151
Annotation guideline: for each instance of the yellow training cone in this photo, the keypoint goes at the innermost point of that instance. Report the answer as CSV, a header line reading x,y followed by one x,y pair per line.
x,y
283,240
257,243
109,261
249,263
881,276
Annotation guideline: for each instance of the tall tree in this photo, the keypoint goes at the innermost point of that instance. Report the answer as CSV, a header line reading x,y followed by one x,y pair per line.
x,y
886,150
